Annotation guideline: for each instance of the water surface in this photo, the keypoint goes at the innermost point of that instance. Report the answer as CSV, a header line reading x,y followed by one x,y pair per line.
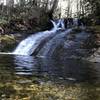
x,y
31,77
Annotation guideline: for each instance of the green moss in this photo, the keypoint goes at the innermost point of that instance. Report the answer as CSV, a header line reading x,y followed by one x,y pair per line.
x,y
7,38
7,42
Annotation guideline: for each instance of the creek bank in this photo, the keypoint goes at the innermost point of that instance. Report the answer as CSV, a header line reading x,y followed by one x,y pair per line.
x,y
95,57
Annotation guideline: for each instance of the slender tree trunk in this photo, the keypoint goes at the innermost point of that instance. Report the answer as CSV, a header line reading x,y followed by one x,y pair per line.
x,y
10,5
54,6
78,8
46,6
68,13
82,8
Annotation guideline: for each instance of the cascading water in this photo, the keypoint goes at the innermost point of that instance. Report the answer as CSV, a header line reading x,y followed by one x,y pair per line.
x,y
75,22
50,46
29,45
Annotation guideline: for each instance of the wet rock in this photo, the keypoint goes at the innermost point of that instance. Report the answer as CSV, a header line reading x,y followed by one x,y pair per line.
x,y
95,57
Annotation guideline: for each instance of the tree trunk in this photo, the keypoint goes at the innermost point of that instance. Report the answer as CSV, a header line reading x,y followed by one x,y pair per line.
x,y
10,5
54,6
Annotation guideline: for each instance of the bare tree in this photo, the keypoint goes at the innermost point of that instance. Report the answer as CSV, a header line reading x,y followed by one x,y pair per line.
x,y
54,6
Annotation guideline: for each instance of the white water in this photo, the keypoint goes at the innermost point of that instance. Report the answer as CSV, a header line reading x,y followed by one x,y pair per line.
x,y
28,46
75,21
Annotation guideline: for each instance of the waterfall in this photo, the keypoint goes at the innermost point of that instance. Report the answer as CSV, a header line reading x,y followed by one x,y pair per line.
x,y
29,45
75,21
50,46
59,25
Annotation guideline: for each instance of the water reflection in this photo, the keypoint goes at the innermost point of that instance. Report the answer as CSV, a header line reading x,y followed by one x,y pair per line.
x,y
69,69
54,69
24,64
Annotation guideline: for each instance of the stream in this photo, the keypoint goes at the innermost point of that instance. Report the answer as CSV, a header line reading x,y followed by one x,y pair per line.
x,y
48,66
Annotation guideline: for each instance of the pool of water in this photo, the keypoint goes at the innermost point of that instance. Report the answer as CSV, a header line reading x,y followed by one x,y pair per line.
x,y
32,78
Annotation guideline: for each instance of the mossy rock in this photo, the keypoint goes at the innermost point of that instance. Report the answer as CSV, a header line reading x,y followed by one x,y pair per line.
x,y
7,42
7,38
